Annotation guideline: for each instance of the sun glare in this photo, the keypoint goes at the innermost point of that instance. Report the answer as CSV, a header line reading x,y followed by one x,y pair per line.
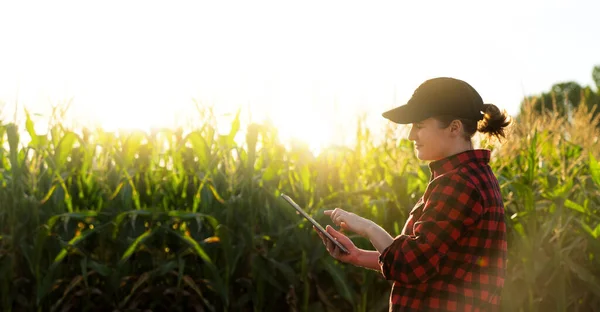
x,y
311,79
304,126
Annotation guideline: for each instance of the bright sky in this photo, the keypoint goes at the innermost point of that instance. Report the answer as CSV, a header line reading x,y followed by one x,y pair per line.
x,y
310,66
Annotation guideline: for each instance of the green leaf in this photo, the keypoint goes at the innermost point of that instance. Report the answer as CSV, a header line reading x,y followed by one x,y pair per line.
x,y
216,278
80,215
100,268
198,195
74,282
132,145
49,194
574,206
200,147
235,127
272,171
339,279
596,232
285,269
65,145
166,268
263,271
133,247
12,132
423,173
72,243
140,281
594,170
593,284
132,213
305,177
190,282
184,215
30,129
216,194
197,248
526,193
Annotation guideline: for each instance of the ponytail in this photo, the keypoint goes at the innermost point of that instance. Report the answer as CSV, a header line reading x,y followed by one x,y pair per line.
x,y
494,121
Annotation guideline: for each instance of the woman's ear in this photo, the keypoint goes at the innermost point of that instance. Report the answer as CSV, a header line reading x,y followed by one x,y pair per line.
x,y
455,127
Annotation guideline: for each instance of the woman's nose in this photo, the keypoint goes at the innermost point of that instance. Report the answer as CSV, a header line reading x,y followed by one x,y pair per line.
x,y
411,134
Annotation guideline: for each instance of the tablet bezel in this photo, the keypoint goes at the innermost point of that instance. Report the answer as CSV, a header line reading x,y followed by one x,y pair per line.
x,y
315,223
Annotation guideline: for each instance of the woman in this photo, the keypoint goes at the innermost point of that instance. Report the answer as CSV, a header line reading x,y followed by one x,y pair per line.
x,y
451,254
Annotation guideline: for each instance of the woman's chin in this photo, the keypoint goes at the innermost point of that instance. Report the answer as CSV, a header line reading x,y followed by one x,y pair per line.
x,y
422,155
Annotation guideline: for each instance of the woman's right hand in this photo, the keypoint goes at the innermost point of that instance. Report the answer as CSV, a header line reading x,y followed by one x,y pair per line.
x,y
335,251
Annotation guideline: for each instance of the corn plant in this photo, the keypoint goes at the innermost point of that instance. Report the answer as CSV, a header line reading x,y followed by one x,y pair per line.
x,y
191,219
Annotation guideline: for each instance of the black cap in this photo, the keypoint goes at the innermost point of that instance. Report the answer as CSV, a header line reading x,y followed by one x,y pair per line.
x,y
439,96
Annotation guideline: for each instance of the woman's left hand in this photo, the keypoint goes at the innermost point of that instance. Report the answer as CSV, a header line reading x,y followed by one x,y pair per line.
x,y
349,221
353,253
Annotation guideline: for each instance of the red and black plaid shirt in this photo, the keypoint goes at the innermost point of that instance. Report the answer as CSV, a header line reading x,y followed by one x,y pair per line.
x,y
451,254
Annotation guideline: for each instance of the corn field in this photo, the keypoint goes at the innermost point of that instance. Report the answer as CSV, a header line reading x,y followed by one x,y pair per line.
x,y
191,219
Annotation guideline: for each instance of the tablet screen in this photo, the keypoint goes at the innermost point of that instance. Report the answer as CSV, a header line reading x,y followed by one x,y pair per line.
x,y
315,223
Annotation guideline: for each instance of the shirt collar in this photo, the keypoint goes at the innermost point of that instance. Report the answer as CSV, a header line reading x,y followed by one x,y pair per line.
x,y
450,163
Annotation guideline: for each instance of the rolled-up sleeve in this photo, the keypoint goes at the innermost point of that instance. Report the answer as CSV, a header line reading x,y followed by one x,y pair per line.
x,y
452,205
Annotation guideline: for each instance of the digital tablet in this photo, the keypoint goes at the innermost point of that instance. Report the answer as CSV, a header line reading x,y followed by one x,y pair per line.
x,y
315,223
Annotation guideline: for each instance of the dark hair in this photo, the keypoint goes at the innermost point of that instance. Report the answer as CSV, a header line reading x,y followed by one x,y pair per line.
x,y
493,123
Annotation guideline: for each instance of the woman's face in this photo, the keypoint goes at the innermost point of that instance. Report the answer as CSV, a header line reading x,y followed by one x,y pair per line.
x,y
431,141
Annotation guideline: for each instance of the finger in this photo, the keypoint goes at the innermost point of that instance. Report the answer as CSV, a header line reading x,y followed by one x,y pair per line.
x,y
344,226
343,239
337,217
328,212
341,215
330,247
340,219
333,232
323,238
336,252
333,215
316,230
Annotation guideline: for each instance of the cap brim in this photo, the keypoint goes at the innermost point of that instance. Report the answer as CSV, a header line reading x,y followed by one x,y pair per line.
x,y
404,114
